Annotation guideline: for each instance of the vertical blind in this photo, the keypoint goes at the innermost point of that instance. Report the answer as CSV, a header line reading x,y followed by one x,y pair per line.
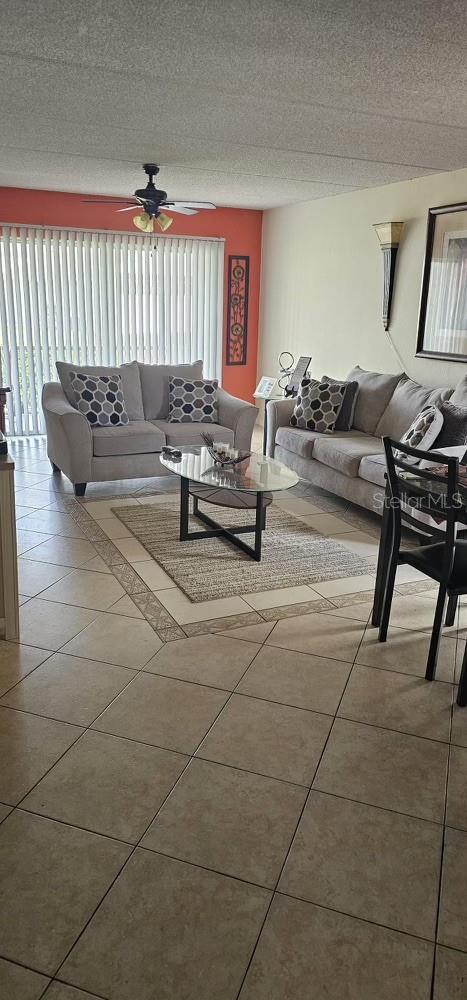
x,y
102,298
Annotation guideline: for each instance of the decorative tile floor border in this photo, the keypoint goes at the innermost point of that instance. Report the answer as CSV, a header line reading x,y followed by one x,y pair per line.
x,y
302,608
144,599
153,610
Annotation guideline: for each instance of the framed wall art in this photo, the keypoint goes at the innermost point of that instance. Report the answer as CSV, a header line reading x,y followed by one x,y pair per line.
x,y
237,309
442,328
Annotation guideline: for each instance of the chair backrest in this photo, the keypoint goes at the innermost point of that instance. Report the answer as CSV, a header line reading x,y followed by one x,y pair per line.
x,y
434,491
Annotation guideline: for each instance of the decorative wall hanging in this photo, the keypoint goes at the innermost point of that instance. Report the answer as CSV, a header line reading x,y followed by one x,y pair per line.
x,y
237,309
389,235
442,327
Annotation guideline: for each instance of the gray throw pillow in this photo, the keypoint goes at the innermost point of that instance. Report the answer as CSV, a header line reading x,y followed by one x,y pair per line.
x,y
131,383
155,385
317,405
408,400
374,392
454,429
459,396
344,420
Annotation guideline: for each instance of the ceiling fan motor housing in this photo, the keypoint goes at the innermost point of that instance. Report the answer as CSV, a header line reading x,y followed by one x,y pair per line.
x,y
151,197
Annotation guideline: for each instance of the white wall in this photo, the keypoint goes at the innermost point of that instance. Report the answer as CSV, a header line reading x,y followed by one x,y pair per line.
x,y
322,280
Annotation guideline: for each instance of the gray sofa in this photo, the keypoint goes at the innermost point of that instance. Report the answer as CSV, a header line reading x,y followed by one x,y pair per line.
x,y
86,454
351,463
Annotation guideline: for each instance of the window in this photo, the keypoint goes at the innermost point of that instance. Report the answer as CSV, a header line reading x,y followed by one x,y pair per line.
x,y
102,298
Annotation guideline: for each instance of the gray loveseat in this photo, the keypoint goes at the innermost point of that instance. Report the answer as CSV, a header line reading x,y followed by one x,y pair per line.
x,y
85,454
351,463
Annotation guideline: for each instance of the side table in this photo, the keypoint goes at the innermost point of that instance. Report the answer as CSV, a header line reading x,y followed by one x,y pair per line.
x,y
9,612
266,399
3,391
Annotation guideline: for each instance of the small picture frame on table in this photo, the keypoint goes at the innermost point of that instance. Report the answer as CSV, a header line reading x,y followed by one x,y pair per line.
x,y
265,387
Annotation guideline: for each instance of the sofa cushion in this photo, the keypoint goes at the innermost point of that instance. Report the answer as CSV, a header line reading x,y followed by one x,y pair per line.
x,y
190,434
131,384
155,386
344,450
374,393
372,469
139,437
407,401
296,440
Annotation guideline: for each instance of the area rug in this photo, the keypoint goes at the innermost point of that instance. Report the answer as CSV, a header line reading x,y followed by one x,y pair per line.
x,y
209,568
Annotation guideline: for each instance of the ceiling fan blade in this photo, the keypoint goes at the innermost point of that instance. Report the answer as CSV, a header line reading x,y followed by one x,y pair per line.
x,y
181,209
129,208
105,201
191,204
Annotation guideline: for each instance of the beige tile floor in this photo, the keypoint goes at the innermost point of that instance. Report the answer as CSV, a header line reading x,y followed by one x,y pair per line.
x,y
248,799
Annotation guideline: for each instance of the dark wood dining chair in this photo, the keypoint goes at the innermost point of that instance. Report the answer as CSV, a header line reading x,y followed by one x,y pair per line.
x,y
444,558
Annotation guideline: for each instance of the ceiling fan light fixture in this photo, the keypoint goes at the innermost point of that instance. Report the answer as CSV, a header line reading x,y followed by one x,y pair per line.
x,y
163,221
144,222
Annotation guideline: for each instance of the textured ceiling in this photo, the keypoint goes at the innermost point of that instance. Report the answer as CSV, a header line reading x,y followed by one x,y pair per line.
x,y
250,104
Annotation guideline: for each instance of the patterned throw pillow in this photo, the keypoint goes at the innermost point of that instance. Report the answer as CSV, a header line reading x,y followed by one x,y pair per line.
x,y
422,432
100,398
318,405
193,402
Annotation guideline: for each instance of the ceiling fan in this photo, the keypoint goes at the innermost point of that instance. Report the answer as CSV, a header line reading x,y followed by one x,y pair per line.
x,y
150,200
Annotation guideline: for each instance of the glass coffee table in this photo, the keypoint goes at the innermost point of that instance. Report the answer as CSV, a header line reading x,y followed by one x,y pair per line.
x,y
248,485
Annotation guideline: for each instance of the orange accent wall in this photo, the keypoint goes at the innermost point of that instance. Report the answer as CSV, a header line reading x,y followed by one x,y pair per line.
x,y
241,229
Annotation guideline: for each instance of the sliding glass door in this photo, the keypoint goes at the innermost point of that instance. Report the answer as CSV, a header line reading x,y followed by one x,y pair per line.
x,y
102,298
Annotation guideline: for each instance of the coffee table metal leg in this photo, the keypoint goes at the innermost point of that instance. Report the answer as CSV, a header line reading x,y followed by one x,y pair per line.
x,y
184,507
259,525
217,530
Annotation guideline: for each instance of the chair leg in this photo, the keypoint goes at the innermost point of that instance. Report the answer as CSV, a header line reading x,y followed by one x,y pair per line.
x,y
388,594
382,568
462,689
436,634
451,611
80,489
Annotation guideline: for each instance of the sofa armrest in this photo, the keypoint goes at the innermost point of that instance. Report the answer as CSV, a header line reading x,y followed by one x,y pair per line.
x,y
239,416
69,435
279,412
